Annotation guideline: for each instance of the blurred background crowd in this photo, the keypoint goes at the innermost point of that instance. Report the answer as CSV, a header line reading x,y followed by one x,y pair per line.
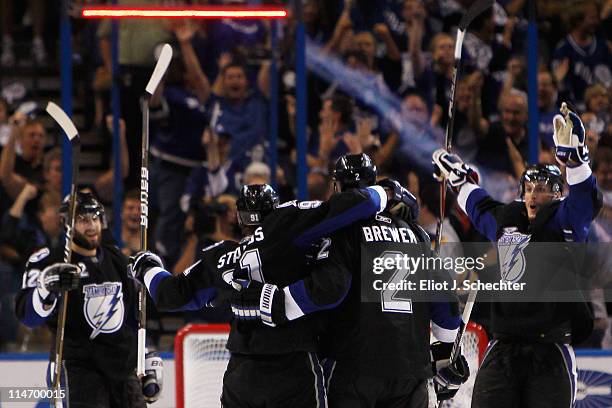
x,y
378,78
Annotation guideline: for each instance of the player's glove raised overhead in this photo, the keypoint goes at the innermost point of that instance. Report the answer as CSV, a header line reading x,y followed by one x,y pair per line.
x,y
448,376
153,380
451,167
402,203
142,262
265,302
569,138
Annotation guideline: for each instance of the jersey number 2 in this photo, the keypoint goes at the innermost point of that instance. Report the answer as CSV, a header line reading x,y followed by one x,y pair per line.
x,y
390,299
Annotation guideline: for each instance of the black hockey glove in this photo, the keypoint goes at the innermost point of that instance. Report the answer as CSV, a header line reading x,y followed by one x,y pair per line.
x,y
403,204
153,380
59,277
142,262
260,302
448,376
451,167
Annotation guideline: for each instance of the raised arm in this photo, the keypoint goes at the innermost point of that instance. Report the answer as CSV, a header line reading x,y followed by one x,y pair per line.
x,y
473,200
184,33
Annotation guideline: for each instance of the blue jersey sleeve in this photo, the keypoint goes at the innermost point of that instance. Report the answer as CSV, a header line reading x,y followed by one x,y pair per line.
x,y
580,207
445,321
481,209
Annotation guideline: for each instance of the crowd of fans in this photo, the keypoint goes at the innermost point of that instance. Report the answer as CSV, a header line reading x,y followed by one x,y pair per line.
x,y
209,119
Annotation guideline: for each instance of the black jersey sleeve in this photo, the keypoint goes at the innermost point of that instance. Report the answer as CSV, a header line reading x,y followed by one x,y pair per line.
x,y
29,306
196,287
329,280
314,219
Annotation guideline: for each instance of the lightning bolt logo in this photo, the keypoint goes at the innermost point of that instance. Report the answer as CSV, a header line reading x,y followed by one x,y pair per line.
x,y
103,307
513,245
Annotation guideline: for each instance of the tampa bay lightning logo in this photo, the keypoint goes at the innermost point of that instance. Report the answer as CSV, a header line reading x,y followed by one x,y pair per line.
x,y
594,390
103,307
511,256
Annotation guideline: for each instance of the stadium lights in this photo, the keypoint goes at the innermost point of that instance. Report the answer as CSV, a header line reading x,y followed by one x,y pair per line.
x,y
184,12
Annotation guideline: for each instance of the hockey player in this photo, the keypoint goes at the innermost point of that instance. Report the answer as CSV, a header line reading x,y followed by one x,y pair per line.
x,y
530,362
99,367
269,366
378,351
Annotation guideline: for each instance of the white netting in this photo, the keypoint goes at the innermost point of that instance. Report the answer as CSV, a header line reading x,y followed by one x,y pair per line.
x,y
205,359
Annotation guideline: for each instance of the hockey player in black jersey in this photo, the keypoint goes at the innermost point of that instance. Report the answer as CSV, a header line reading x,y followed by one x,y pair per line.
x,y
530,362
100,336
377,353
268,367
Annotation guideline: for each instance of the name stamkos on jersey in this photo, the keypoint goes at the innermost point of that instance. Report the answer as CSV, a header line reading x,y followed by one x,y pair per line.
x,y
231,257
103,307
510,247
383,233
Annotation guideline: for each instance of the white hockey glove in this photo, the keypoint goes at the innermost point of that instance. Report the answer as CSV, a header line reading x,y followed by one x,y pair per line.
x,y
451,167
153,380
260,302
142,262
569,138
447,377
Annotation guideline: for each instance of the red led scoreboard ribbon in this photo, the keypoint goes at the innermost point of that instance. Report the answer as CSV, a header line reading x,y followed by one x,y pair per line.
x,y
176,12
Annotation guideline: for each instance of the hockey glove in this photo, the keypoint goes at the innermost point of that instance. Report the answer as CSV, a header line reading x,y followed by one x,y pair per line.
x,y
569,138
59,277
403,204
153,380
142,262
245,301
451,167
257,301
448,376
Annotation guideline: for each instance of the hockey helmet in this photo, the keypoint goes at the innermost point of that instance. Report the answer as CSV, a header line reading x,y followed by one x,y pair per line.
x,y
254,203
548,174
354,171
86,203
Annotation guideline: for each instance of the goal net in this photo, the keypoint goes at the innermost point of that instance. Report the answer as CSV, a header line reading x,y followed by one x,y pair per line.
x,y
201,360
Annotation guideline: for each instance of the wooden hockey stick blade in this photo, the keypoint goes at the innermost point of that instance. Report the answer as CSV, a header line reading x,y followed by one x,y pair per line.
x,y
62,120
160,69
474,11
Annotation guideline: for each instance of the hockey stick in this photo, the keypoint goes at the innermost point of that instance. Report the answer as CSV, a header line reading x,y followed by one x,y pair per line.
x,y
477,8
158,72
470,14
71,132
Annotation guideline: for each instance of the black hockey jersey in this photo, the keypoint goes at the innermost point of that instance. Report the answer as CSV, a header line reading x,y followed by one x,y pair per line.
x,y
101,315
275,253
525,257
371,330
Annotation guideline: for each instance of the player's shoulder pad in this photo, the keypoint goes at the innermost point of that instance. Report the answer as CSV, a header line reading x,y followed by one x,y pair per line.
x,y
44,257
